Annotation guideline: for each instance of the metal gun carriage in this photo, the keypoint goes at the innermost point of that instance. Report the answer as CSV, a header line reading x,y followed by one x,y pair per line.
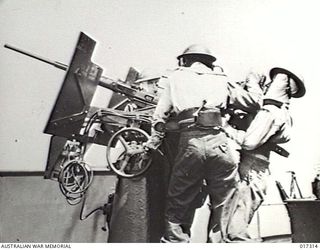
x,y
122,127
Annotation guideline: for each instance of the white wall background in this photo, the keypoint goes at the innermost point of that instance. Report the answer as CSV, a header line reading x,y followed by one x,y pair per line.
x,y
243,34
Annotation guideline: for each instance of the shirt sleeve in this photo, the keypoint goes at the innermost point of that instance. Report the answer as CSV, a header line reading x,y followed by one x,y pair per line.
x,y
284,133
234,134
268,125
260,130
164,105
161,114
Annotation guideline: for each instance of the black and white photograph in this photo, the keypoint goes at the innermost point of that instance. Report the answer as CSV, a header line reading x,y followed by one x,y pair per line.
x,y
148,121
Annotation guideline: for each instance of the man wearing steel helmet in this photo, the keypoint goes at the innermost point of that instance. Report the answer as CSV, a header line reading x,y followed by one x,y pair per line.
x,y
195,94
270,126
148,81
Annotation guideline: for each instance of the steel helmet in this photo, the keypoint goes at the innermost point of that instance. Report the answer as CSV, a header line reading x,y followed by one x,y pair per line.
x,y
198,49
147,75
301,90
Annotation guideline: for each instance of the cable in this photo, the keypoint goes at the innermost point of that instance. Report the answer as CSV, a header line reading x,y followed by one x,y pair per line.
x,y
90,213
74,179
106,209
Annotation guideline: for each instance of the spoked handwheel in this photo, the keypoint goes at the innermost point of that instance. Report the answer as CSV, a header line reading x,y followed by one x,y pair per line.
x,y
133,159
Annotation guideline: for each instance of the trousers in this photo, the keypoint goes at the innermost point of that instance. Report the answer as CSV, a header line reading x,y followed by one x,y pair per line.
x,y
203,156
248,197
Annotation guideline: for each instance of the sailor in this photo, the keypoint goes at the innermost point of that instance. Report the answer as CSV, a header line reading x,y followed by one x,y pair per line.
x,y
270,126
147,80
195,94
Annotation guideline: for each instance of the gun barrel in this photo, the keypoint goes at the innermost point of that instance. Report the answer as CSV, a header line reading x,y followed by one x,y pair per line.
x,y
105,82
54,63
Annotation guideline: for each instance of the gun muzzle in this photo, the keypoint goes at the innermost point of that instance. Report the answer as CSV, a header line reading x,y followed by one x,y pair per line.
x,y
54,63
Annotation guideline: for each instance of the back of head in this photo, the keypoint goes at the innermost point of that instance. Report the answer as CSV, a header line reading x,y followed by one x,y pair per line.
x,y
196,53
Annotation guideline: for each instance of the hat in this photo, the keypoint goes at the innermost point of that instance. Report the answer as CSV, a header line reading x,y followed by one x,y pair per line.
x,y
299,82
148,75
198,49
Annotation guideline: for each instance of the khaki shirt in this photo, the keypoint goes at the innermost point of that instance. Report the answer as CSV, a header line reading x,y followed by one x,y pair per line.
x,y
271,123
188,87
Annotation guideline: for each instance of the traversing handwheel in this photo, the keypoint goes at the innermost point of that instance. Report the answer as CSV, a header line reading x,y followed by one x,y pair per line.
x,y
133,160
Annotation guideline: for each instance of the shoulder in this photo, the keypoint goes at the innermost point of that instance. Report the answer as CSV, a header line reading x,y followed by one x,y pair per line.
x,y
279,115
271,109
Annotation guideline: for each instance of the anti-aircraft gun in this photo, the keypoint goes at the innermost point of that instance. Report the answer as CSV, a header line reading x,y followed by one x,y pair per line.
x,y
122,127
76,124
